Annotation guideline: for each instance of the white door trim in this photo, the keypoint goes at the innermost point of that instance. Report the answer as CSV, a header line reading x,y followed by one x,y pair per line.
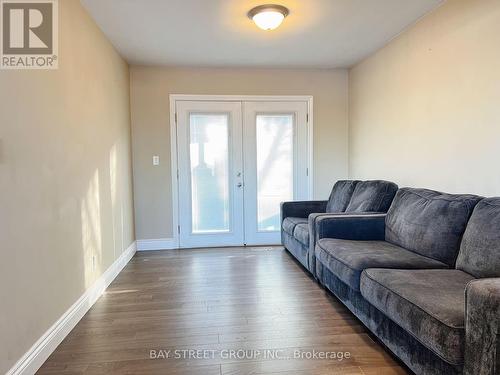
x,y
173,98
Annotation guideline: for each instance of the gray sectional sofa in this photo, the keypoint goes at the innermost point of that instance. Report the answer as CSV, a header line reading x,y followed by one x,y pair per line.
x,y
424,278
347,197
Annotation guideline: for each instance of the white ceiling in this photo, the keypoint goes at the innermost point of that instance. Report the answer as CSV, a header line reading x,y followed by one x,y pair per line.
x,y
317,33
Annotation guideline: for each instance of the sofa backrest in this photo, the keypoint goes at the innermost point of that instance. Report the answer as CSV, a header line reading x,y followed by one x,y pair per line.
x,y
429,223
340,195
372,196
480,249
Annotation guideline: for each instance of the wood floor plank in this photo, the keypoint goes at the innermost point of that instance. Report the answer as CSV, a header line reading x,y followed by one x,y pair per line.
x,y
255,301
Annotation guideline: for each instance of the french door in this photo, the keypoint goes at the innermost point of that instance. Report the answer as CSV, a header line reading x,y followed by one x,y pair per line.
x,y
237,161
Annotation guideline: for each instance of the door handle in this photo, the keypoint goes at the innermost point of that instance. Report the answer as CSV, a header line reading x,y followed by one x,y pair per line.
x,y
239,184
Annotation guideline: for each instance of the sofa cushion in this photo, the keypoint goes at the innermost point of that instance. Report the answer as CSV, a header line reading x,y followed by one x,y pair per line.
x,y
372,196
480,249
340,196
289,223
429,304
428,222
347,259
301,233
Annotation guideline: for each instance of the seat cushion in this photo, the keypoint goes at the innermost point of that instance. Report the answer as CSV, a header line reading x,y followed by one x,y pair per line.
x,y
347,259
429,304
372,196
340,196
301,233
289,223
429,222
480,249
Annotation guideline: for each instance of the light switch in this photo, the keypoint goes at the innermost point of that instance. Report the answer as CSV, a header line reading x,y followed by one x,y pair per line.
x,y
156,160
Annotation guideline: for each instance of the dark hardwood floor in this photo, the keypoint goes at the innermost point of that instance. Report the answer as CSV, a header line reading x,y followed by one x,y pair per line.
x,y
247,310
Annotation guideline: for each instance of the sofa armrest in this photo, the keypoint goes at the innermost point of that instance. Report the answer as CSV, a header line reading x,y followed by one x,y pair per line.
x,y
301,208
357,227
313,217
482,327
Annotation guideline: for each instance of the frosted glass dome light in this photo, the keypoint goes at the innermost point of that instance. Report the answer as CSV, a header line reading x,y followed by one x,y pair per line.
x,y
268,17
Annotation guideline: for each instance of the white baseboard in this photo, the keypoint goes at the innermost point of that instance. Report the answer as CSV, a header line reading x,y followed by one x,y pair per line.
x,y
157,244
34,358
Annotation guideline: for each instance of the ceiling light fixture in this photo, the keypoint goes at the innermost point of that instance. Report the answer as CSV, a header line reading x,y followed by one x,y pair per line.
x,y
269,16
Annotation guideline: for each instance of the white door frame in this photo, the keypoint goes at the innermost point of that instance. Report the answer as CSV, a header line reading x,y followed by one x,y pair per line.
x,y
230,98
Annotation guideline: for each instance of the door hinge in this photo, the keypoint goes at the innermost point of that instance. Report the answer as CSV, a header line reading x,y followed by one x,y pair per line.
x,y
307,172
177,174
307,118
179,229
175,116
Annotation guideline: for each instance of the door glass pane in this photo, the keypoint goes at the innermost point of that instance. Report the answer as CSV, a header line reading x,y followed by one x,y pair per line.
x,y
209,138
274,168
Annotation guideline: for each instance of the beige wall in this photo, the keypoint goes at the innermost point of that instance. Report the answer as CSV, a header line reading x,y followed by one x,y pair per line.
x,y
425,110
150,89
65,180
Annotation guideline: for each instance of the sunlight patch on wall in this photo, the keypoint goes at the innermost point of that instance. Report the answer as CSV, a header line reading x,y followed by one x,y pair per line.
x,y
91,231
113,162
